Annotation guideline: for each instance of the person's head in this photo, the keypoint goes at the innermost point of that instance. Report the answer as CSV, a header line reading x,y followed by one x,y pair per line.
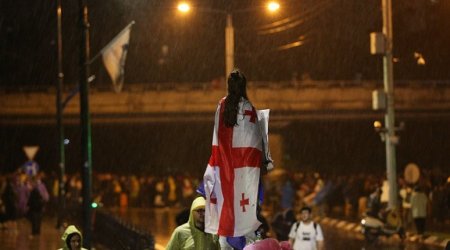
x,y
237,84
237,89
72,238
73,241
305,214
197,216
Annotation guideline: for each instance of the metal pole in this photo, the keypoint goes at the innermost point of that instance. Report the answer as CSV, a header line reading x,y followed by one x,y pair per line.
x,y
229,45
86,145
59,121
389,116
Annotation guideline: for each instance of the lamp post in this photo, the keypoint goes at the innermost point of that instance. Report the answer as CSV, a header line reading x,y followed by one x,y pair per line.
x,y
86,145
229,45
184,7
59,121
381,43
391,138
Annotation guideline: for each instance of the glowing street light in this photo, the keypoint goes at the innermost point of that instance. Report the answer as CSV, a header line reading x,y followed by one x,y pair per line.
x,y
184,7
273,6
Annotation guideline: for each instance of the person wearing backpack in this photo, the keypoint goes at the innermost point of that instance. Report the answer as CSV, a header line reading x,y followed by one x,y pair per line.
x,y
306,234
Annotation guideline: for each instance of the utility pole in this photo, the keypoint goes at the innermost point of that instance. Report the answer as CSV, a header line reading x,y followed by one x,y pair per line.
x,y
229,45
59,120
86,145
388,73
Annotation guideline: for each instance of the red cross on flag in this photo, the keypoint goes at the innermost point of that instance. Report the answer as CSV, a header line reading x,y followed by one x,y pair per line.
x,y
232,176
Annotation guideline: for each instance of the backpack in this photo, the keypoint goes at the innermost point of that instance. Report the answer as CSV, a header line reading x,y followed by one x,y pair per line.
x,y
297,224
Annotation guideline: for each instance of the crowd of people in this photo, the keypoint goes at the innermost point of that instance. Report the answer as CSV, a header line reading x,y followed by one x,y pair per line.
x,y
351,196
333,195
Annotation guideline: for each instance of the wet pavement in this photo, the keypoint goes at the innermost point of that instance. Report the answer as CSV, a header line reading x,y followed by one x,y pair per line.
x,y
19,238
161,222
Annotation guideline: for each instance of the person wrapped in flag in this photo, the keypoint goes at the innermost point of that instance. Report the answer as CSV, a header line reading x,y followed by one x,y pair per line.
x,y
232,176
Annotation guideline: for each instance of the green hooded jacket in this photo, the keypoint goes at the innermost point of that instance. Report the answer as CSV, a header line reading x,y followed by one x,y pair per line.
x,y
70,230
188,237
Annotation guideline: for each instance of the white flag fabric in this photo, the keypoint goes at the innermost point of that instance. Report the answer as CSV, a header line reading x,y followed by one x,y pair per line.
x,y
263,120
114,55
232,176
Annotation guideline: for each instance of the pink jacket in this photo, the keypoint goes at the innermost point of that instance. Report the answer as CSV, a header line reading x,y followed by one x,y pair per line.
x,y
269,244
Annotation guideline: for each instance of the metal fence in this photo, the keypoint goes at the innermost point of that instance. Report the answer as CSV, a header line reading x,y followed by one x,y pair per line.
x,y
116,234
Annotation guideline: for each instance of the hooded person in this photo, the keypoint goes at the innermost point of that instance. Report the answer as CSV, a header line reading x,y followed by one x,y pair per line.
x,y
72,239
191,234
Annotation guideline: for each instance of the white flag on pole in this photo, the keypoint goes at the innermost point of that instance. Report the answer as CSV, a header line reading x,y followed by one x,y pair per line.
x,y
114,55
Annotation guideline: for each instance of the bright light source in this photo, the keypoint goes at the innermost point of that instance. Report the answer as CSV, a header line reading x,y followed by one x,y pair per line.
x,y
66,141
94,205
273,6
419,58
184,7
377,124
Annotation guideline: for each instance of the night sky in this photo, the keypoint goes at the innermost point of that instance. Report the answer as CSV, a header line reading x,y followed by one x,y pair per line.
x,y
335,35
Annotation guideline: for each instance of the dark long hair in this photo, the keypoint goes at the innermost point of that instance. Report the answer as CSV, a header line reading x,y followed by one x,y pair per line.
x,y
237,88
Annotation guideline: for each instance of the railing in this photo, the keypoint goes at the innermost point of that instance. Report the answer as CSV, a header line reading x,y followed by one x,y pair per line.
x,y
221,85
113,233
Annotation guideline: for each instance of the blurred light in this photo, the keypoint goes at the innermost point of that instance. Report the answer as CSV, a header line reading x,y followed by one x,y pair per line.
x,y
395,59
66,141
377,124
419,58
273,6
183,7
91,78
421,61
290,45
363,221
94,205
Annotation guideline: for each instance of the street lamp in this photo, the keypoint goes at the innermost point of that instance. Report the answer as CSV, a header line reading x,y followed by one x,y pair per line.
x,y
59,118
183,7
85,121
382,43
271,6
389,116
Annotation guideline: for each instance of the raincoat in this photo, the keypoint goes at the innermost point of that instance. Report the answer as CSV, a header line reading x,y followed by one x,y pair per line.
x,y
70,230
187,236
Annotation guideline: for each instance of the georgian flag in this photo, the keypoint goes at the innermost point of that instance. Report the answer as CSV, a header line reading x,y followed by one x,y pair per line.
x,y
232,176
